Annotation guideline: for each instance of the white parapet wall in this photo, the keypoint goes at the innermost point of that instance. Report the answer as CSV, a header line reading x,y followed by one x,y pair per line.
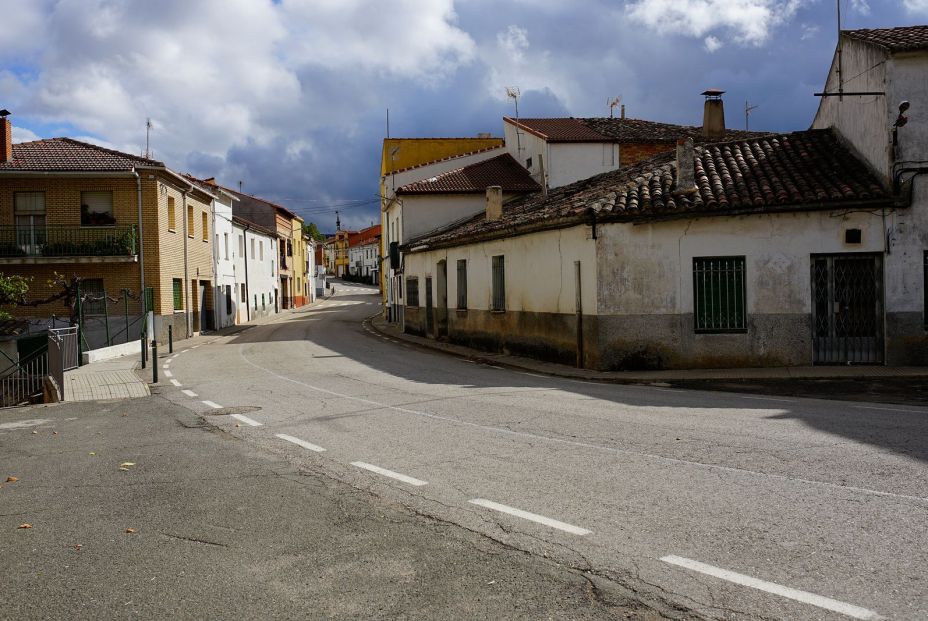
x,y
108,353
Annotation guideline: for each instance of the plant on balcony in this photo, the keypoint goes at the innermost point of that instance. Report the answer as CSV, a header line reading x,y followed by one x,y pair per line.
x,y
61,249
11,250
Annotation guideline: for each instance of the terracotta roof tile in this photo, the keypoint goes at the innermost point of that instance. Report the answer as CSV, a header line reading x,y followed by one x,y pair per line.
x,y
641,131
560,129
902,39
502,170
67,154
799,171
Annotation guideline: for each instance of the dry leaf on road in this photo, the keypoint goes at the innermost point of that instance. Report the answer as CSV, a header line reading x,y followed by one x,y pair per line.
x,y
11,479
130,530
126,464
24,525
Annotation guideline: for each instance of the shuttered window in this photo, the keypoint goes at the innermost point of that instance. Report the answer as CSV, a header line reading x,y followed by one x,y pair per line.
x,y
204,218
719,294
499,283
178,294
190,221
412,291
462,284
172,214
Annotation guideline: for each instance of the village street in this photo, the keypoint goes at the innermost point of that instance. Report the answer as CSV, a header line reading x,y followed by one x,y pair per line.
x,y
817,507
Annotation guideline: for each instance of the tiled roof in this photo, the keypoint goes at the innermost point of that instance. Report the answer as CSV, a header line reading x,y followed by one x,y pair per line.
x,y
364,236
253,226
642,131
560,129
69,155
502,170
902,39
788,172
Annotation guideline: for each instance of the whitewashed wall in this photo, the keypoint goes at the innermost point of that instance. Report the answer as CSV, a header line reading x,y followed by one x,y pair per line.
x,y
224,248
262,274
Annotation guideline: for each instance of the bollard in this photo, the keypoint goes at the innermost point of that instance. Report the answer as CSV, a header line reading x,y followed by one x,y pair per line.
x,y
154,361
142,341
170,339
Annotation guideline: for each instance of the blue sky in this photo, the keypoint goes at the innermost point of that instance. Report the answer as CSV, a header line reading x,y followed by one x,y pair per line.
x,y
290,96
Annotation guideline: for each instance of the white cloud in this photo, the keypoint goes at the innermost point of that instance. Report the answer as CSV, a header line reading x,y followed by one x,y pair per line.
x,y
916,6
21,134
712,43
809,31
748,21
861,6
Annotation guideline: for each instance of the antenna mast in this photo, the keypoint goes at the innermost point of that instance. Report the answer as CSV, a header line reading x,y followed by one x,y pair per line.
x,y
514,93
748,108
840,68
612,103
148,138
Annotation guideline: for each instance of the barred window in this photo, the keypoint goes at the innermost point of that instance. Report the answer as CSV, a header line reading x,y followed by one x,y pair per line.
x,y
93,301
499,283
718,294
462,284
178,294
412,291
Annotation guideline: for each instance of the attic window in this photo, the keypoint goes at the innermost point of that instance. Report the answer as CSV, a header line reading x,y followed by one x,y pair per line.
x,y
528,163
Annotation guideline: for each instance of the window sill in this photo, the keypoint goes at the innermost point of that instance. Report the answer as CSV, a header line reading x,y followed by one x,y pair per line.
x,y
733,331
170,230
497,311
461,311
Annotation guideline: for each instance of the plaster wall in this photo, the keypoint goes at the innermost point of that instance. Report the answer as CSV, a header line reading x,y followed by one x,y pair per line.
x,y
573,161
262,274
225,245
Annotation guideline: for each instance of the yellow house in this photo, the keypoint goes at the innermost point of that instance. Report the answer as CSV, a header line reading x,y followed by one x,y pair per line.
x,y
300,284
121,223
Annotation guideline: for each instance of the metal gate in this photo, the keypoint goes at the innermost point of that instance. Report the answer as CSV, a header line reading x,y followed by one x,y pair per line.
x,y
62,354
847,309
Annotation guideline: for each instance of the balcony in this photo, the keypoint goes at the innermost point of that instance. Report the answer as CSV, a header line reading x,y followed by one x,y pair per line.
x,y
67,244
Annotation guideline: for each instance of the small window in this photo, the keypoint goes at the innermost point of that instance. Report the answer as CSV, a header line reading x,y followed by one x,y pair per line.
x,y
241,246
228,299
252,248
499,283
205,222
462,284
263,307
172,214
97,209
189,221
178,294
93,301
244,295
412,291
718,294
256,301
528,163
260,250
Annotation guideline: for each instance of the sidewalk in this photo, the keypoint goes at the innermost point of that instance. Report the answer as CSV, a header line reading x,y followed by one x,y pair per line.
x,y
108,379
550,368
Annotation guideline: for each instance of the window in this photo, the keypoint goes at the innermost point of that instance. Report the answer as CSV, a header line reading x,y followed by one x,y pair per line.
x,y
93,301
228,299
178,294
499,283
225,245
189,221
462,284
718,294
256,301
244,296
29,210
172,214
97,209
241,246
263,307
204,219
528,163
260,250
252,247
272,267
412,291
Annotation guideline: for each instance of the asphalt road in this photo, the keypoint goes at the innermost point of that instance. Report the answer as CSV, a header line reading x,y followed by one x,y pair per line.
x,y
731,506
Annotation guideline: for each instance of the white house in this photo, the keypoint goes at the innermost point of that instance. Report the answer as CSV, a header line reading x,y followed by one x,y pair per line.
x,y
226,291
256,270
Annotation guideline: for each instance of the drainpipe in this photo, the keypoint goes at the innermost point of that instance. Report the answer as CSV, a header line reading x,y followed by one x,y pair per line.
x,y
247,286
186,272
141,239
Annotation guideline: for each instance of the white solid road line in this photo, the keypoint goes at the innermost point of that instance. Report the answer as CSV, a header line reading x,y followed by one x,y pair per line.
x,y
299,442
168,373
534,517
870,407
213,405
176,383
389,473
767,399
771,587
245,419
189,393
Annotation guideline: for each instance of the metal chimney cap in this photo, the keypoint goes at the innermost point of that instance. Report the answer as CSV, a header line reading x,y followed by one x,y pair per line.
x,y
4,113
713,93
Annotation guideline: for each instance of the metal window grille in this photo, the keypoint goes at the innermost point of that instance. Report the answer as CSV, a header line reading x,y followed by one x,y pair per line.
x,y
462,284
178,294
412,291
499,283
93,294
718,294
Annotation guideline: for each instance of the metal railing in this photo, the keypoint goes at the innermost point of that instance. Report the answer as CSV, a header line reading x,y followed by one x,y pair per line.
x,y
23,383
68,241
62,354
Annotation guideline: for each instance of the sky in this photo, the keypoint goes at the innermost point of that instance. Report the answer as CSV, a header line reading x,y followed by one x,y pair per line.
x,y
290,96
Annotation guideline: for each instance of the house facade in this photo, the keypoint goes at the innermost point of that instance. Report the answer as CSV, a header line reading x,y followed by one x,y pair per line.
x,y
255,266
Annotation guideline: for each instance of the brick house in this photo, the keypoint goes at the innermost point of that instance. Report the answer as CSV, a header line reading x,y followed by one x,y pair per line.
x,y
118,221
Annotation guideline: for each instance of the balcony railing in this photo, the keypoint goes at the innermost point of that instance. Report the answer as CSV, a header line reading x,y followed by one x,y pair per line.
x,y
68,241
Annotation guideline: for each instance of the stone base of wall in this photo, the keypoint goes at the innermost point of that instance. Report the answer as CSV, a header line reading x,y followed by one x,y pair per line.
x,y
906,339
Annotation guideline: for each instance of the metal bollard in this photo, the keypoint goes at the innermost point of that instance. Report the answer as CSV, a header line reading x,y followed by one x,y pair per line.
x,y
144,344
154,361
170,339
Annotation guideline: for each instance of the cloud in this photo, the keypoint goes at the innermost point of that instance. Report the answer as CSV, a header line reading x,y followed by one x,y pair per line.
x,y
916,6
749,21
861,6
712,43
21,134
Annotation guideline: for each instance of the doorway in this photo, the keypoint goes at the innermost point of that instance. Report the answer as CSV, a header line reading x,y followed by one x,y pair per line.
x,y
429,309
442,292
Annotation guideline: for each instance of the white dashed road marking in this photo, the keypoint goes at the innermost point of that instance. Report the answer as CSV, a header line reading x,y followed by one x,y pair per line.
x,y
168,373
299,442
870,407
176,383
189,393
389,473
166,365
771,587
245,419
534,517
213,405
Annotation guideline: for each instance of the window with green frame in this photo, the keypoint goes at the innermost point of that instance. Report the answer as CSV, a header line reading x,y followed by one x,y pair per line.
x,y
178,294
719,294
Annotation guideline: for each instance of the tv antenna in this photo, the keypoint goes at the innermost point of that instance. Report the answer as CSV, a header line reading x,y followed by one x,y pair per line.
x,y
612,103
148,127
748,108
513,93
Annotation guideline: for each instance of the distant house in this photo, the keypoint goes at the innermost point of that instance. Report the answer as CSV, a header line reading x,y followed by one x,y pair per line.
x,y
256,269
364,254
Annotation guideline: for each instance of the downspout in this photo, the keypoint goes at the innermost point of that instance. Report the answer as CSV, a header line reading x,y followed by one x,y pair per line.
x,y
138,187
247,286
186,268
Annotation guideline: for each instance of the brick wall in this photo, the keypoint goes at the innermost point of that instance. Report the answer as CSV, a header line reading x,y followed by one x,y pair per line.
x,y
630,154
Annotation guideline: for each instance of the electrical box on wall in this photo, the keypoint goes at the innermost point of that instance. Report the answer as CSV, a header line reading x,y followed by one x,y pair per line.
x,y
852,236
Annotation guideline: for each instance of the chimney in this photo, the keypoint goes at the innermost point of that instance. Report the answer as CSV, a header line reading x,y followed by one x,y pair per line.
x,y
494,202
713,115
686,166
6,137
623,111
